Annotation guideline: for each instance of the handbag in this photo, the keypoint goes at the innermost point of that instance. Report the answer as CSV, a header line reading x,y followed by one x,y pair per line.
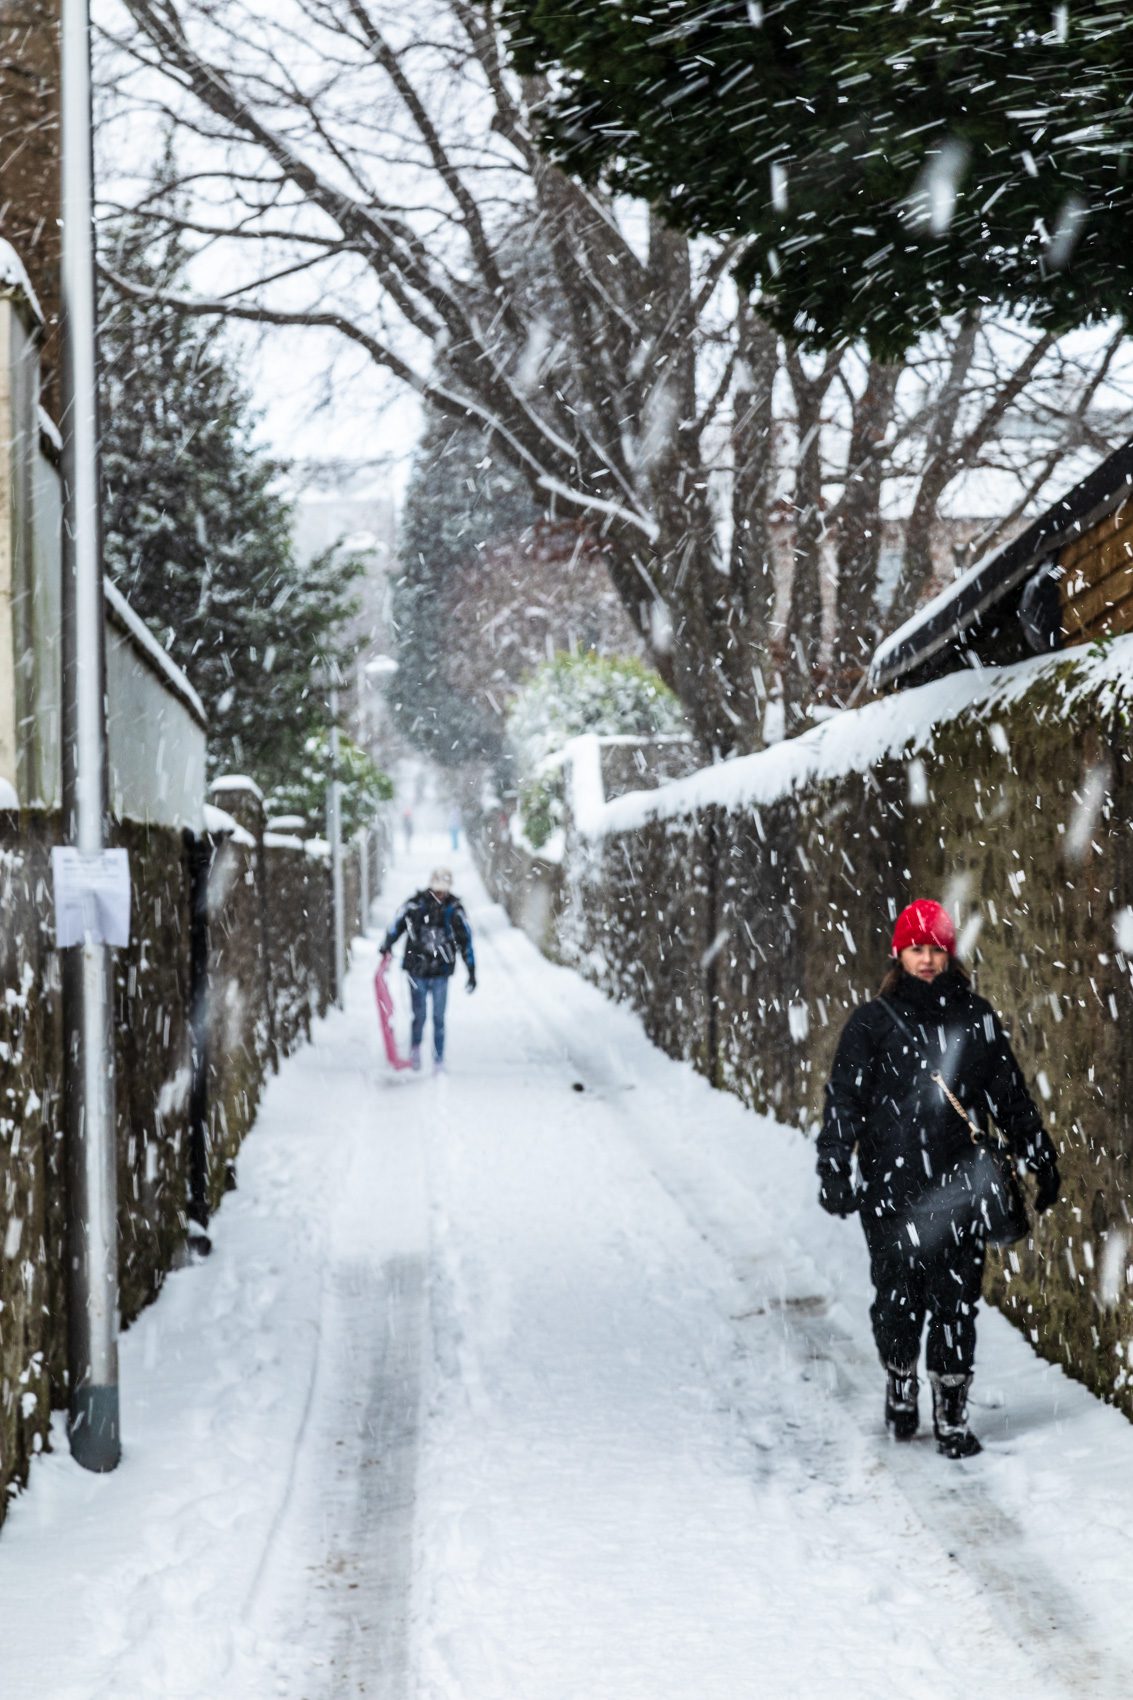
x,y
995,1182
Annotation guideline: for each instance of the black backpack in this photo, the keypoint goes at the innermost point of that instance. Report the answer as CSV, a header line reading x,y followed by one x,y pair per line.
x,y
435,942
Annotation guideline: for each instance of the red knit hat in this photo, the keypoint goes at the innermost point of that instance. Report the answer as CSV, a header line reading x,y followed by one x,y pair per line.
x,y
924,922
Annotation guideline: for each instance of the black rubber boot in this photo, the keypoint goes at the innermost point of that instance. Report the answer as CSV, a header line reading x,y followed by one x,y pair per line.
x,y
950,1416
901,1415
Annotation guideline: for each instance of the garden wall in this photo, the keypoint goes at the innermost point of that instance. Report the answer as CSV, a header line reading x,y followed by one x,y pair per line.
x,y
269,973
745,911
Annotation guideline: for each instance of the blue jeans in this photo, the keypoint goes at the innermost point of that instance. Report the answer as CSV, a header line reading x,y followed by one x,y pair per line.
x,y
420,991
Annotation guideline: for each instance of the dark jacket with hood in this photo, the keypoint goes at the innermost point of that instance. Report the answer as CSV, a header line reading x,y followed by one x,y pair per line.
x,y
437,929
882,1102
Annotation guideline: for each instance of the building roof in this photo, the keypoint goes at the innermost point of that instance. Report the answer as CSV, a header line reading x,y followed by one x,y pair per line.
x,y
922,644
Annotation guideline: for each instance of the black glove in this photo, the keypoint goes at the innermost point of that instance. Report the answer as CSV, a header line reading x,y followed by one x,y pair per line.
x,y
1048,1185
471,986
836,1192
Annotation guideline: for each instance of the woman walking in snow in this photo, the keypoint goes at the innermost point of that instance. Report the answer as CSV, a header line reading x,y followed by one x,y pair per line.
x,y
916,1068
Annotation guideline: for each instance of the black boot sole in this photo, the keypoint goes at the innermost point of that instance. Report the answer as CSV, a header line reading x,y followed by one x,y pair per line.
x,y
958,1446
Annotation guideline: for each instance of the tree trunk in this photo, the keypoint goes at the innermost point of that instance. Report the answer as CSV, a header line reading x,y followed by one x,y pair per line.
x,y
804,623
30,180
753,495
857,625
939,470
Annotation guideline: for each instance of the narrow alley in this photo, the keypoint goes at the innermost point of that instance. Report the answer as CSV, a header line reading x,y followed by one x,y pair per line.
x,y
546,1379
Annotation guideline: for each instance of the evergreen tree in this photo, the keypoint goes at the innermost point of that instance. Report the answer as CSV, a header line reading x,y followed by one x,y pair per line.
x,y
196,533
887,163
459,498
363,785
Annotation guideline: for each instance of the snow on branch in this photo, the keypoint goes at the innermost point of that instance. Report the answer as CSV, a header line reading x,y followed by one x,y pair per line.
x,y
598,505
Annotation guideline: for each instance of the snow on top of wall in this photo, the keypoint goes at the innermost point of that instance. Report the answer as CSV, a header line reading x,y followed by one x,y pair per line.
x,y
144,639
219,820
49,429
13,276
237,782
851,742
282,841
587,789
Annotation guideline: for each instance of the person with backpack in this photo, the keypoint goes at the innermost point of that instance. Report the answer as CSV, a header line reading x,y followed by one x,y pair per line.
x,y
436,928
917,1072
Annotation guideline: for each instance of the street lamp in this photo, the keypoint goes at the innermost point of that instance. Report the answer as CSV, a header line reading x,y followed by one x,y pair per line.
x,y
328,678
378,667
89,1111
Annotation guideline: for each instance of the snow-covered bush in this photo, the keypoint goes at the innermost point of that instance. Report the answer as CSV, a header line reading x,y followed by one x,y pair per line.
x,y
565,697
572,694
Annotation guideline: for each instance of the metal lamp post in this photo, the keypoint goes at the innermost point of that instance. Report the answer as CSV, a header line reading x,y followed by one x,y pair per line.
x,y
334,833
379,667
87,991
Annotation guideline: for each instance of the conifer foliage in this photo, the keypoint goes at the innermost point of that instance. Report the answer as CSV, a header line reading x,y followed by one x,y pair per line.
x,y
196,533
458,499
886,162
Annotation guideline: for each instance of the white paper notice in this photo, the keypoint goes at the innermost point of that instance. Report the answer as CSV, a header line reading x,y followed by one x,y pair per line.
x,y
92,896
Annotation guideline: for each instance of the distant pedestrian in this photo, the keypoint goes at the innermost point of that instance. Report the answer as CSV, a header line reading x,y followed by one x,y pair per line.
x,y
436,929
454,824
407,828
917,1071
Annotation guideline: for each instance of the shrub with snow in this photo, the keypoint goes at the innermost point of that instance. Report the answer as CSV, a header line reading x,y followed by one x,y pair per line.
x,y
572,694
364,785
569,695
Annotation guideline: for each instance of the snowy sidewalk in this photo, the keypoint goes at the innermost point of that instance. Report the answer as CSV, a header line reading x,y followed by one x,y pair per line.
x,y
497,1389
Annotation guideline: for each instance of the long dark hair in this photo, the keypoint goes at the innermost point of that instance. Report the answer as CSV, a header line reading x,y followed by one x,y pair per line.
x,y
892,976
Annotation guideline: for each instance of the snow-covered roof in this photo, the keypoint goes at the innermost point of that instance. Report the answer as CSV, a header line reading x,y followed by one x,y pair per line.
x,y
958,608
897,726
143,639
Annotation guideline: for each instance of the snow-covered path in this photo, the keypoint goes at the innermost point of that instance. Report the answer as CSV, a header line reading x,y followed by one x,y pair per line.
x,y
547,1380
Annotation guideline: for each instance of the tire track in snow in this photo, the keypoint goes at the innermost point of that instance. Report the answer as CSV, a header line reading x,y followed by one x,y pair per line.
x,y
329,1605
368,1563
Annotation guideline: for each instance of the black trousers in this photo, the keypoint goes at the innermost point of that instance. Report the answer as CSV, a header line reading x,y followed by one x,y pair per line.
x,y
926,1259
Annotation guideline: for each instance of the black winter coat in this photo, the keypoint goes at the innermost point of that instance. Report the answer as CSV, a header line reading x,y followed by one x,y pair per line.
x,y
882,1101
436,928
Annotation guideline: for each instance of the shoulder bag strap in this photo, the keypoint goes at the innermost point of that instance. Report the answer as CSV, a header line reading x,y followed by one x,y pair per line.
x,y
936,1077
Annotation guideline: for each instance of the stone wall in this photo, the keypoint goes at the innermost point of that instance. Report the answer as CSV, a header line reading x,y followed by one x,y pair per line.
x,y
271,957
529,888
151,997
745,929
269,976
32,1353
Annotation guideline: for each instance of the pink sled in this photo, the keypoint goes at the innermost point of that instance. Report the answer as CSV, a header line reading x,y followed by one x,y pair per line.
x,y
385,1016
